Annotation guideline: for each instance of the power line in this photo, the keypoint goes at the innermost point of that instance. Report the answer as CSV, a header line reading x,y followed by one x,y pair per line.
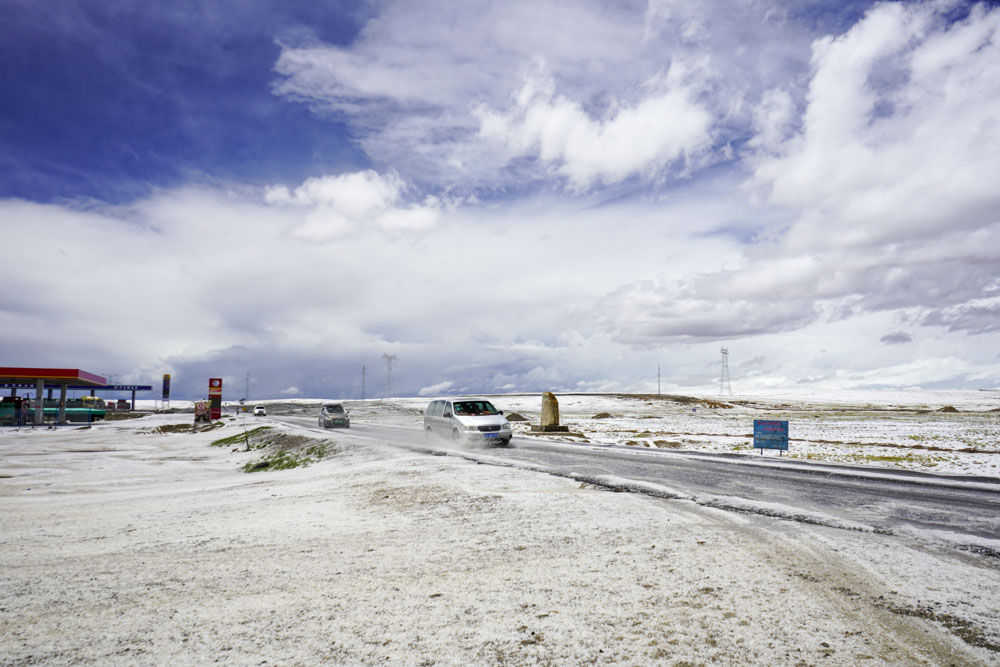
x,y
724,385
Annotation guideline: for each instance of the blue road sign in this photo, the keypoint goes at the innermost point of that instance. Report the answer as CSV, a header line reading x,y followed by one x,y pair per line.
x,y
770,434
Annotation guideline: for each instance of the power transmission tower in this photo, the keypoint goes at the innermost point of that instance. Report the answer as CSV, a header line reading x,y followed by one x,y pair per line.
x,y
657,379
362,382
724,385
390,360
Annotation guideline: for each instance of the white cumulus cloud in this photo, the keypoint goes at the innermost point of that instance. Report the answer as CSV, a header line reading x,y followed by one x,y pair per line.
x,y
666,125
901,133
436,389
339,204
882,182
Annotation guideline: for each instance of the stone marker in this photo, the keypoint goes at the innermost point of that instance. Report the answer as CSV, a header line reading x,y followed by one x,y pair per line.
x,y
550,410
550,414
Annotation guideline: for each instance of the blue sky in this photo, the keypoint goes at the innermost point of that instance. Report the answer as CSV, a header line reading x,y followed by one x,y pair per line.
x,y
111,100
517,196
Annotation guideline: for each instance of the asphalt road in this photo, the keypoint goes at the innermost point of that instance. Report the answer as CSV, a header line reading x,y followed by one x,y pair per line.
x,y
962,511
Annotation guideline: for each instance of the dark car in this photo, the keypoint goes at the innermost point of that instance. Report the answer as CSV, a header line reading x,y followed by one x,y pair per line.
x,y
333,415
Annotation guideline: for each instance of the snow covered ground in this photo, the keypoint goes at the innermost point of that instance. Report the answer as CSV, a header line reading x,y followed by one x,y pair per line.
x,y
127,543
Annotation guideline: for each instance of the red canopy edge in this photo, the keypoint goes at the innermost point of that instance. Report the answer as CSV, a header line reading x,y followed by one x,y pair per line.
x,y
74,375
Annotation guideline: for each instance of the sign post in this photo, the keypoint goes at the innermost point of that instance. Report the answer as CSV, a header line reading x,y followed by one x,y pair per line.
x,y
770,434
201,412
215,397
166,392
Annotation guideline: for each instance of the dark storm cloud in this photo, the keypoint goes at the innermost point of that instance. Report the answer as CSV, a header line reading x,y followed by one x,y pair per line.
x,y
896,338
972,319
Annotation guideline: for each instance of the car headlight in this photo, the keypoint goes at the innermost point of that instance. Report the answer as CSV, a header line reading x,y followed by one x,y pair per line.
x,y
505,426
471,427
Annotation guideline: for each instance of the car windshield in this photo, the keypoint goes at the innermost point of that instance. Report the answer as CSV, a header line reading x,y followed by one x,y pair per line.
x,y
473,408
335,408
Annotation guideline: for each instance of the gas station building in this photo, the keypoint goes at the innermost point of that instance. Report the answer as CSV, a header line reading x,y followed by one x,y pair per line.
x,y
64,378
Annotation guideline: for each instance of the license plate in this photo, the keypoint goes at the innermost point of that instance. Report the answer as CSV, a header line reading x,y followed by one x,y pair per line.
x,y
491,435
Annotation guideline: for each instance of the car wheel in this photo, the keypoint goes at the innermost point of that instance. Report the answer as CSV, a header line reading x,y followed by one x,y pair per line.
x,y
455,435
505,443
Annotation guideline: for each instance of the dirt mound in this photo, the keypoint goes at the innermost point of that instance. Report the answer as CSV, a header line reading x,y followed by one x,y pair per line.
x,y
948,408
292,451
677,398
515,417
709,403
602,415
186,428
118,416
264,437
280,451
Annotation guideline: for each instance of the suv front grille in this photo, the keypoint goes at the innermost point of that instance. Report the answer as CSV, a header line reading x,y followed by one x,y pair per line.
x,y
490,427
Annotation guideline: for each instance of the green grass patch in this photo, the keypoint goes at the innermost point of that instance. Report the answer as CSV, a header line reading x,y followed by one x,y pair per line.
x,y
882,458
285,460
918,459
240,438
913,459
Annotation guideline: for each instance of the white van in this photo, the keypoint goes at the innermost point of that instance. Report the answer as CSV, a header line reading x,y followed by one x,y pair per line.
x,y
467,419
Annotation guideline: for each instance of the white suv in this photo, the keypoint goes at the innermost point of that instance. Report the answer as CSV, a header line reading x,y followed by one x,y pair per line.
x,y
469,419
259,411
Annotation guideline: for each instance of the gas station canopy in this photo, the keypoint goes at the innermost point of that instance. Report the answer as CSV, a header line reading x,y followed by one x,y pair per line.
x,y
61,377
67,376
